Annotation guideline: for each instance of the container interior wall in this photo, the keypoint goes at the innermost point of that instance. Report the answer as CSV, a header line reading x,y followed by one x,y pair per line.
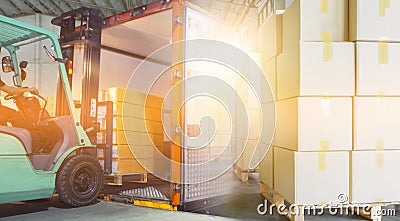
x,y
42,72
209,122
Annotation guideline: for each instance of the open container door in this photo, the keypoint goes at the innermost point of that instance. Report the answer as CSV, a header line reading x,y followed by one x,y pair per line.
x,y
209,119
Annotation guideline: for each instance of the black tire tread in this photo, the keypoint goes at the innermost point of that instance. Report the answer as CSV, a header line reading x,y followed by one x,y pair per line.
x,y
62,179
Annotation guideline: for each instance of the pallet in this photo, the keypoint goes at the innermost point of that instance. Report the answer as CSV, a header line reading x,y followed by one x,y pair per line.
x,y
118,179
275,198
243,175
374,211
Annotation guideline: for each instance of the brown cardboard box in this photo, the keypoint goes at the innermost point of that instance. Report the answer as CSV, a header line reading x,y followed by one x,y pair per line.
x,y
314,123
376,123
375,170
311,178
266,169
269,69
378,69
373,20
305,20
270,34
316,69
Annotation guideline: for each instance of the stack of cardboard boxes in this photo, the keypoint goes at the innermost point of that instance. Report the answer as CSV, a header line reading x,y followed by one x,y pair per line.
x,y
270,42
337,101
374,29
138,138
314,87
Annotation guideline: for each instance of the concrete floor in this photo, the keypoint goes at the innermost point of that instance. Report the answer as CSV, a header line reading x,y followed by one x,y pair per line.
x,y
241,206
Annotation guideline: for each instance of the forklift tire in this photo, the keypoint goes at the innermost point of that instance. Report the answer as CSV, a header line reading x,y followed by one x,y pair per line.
x,y
79,181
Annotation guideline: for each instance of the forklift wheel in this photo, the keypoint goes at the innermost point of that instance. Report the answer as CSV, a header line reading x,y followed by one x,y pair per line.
x,y
79,181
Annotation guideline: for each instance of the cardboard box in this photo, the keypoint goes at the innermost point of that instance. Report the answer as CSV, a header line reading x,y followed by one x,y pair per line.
x,y
305,20
378,68
270,34
125,166
374,176
266,169
373,20
133,124
314,124
316,69
376,123
134,97
268,123
118,151
270,73
244,161
137,138
311,178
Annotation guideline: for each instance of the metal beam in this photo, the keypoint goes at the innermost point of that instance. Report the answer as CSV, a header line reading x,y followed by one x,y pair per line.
x,y
103,15
30,5
124,4
15,6
48,10
227,10
108,4
99,6
56,6
3,12
69,5
139,3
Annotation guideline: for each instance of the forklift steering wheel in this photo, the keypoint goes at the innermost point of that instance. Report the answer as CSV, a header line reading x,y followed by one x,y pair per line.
x,y
13,96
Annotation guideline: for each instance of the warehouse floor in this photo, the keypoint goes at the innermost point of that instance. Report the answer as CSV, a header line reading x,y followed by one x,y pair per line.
x,y
242,205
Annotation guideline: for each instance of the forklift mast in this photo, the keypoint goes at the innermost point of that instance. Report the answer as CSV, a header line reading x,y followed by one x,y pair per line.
x,y
82,28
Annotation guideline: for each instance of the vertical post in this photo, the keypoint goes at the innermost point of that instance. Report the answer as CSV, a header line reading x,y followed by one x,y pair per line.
x,y
88,36
67,26
176,146
109,138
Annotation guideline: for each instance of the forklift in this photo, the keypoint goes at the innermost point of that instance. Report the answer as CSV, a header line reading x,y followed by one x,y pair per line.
x,y
65,160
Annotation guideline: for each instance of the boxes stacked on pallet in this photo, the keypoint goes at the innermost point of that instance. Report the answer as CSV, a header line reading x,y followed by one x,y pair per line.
x,y
374,28
315,83
270,44
137,131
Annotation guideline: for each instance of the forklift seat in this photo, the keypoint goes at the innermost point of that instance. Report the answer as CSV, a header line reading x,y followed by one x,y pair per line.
x,y
21,134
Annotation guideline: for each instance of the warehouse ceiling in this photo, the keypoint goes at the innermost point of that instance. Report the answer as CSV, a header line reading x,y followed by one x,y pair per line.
x,y
227,10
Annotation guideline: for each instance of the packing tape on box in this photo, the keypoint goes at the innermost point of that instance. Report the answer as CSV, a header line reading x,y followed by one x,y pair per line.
x,y
380,160
379,145
327,47
322,160
383,5
325,107
325,145
324,6
382,94
383,53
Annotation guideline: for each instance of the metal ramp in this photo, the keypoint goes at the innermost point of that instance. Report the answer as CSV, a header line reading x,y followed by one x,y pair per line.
x,y
159,193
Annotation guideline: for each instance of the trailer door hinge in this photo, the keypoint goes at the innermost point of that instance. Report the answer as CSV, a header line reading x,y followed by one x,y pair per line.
x,y
176,186
178,20
177,130
177,74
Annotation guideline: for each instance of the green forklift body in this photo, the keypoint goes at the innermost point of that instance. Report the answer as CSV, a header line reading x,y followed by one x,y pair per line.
x,y
20,180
